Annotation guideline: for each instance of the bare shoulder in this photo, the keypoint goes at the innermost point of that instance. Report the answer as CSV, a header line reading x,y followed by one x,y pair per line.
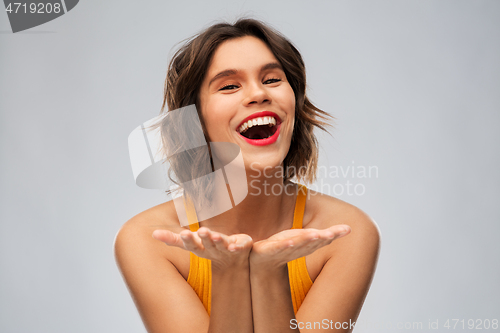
x,y
323,211
155,274
135,236
162,215
343,270
140,227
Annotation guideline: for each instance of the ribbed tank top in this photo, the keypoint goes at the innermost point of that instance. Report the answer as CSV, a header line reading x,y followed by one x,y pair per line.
x,y
200,271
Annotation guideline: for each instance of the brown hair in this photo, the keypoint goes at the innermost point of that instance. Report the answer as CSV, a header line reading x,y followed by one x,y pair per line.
x,y
190,63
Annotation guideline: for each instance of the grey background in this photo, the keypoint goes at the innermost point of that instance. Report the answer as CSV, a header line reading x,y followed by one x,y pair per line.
x,y
414,86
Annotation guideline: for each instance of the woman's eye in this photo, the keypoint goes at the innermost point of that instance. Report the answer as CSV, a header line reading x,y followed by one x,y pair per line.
x,y
274,80
229,87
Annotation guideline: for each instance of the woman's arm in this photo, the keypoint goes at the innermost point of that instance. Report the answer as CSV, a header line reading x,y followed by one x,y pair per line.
x,y
165,301
231,305
271,298
334,301
162,296
338,293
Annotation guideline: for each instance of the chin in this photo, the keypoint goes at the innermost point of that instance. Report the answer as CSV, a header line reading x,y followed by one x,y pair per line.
x,y
263,164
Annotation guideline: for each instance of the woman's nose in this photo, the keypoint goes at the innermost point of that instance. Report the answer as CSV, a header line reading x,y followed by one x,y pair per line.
x,y
256,94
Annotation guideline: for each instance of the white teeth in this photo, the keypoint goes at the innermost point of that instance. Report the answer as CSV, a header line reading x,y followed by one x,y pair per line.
x,y
271,121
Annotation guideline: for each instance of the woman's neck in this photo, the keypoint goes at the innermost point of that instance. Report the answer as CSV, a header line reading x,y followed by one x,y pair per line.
x,y
267,209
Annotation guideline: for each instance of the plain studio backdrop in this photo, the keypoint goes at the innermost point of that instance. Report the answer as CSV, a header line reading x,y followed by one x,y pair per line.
x,y
414,87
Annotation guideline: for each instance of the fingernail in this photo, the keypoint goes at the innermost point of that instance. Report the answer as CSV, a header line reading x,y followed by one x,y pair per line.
x,y
346,230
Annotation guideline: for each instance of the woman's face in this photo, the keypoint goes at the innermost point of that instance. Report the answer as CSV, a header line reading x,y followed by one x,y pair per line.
x,y
246,99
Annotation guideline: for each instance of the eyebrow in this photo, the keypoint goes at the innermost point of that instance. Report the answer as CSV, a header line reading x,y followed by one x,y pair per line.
x,y
229,72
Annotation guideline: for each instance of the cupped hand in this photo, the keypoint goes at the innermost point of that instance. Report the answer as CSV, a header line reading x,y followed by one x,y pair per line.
x,y
291,244
222,250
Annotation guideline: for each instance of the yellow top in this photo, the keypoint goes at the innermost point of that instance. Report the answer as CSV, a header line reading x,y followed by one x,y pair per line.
x,y
200,271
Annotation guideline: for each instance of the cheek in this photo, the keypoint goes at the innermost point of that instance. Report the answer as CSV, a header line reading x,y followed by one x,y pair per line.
x,y
216,113
288,99
290,107
288,103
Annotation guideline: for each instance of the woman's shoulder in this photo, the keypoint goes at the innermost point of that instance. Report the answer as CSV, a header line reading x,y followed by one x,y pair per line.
x,y
358,250
135,237
155,274
323,211
162,216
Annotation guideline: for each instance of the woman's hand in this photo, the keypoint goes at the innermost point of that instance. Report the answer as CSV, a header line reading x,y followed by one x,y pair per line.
x,y
291,244
224,251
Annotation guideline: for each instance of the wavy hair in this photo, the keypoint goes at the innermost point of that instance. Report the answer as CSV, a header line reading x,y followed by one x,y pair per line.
x,y
189,66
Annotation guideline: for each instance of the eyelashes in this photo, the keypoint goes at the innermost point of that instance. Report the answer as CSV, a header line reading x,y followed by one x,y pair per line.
x,y
226,87
233,86
273,80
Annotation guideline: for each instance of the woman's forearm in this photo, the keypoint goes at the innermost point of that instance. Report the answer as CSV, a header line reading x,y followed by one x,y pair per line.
x,y
271,300
231,304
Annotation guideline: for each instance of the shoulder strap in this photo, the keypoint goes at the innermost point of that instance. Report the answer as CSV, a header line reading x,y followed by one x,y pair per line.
x,y
300,205
191,213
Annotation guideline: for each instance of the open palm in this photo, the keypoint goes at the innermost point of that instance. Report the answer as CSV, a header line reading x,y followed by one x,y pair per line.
x,y
291,244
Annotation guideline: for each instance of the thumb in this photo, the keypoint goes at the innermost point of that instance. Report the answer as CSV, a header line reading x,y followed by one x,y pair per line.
x,y
168,238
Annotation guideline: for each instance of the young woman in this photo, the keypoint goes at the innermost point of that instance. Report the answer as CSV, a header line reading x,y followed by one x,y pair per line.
x,y
279,261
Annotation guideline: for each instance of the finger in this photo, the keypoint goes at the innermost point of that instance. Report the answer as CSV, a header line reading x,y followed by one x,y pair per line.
x,y
318,238
168,237
338,231
191,241
205,236
307,242
239,242
243,241
219,240
328,235
284,245
304,245
274,247
232,245
307,238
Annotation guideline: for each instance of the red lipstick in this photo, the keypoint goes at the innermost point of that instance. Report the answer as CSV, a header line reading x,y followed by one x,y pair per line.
x,y
266,141
261,114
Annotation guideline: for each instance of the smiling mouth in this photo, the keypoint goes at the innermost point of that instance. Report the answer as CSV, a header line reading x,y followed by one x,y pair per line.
x,y
259,128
